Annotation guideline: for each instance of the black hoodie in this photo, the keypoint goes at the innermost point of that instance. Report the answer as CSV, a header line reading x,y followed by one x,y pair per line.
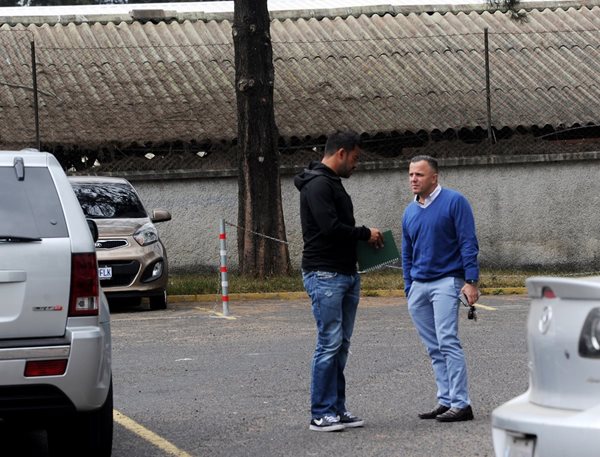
x,y
328,225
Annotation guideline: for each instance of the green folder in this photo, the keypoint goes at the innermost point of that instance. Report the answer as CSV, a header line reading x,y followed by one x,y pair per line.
x,y
371,258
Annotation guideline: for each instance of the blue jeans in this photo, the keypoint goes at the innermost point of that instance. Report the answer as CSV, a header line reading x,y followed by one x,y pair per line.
x,y
433,307
334,299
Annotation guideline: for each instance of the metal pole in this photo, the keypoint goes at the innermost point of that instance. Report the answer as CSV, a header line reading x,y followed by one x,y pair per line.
x,y
35,97
224,282
487,84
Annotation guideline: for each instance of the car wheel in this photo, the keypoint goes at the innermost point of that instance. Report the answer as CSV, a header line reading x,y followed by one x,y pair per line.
x,y
159,301
86,433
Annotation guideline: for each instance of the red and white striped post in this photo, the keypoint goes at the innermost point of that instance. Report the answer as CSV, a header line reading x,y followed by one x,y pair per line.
x,y
224,281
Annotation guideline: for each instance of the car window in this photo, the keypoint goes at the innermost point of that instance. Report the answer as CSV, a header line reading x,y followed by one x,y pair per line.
x,y
108,200
31,207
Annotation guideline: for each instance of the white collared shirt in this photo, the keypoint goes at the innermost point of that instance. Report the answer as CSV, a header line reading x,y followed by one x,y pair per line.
x,y
430,198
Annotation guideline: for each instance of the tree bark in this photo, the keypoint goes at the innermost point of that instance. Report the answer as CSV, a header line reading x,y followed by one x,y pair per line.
x,y
259,188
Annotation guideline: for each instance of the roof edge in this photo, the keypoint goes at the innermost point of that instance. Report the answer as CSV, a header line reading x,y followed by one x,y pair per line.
x,y
278,9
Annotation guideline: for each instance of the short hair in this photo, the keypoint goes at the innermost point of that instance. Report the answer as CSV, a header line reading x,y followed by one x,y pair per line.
x,y
430,160
348,140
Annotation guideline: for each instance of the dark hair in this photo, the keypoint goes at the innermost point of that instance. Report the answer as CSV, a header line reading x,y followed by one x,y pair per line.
x,y
430,160
348,140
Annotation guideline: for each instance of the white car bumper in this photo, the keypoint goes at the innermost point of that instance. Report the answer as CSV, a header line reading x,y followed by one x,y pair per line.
x,y
523,429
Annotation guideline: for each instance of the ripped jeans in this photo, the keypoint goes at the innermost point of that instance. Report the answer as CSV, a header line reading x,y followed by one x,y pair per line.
x,y
334,299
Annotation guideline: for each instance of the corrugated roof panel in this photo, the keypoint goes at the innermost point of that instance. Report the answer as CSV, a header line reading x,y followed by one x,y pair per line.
x,y
585,14
16,99
287,42
312,45
133,82
295,105
206,90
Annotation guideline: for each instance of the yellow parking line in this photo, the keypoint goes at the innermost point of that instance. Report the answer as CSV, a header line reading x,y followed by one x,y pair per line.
x,y
215,314
148,435
222,316
489,308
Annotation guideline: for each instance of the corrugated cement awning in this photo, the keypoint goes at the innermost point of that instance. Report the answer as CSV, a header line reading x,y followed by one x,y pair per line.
x,y
118,83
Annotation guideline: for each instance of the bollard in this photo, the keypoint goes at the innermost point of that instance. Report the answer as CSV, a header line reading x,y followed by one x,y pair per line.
x,y
224,282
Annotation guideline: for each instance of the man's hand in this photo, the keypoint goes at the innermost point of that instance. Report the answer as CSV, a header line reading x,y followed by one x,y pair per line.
x,y
472,293
376,239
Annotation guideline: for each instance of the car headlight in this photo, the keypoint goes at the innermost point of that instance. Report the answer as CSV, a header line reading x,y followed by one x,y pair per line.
x,y
589,340
146,234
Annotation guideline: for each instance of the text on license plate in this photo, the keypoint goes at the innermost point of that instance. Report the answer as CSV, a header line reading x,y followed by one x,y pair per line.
x,y
105,272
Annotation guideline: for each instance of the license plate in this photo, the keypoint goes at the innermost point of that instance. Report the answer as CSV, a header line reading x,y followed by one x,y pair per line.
x,y
520,447
105,272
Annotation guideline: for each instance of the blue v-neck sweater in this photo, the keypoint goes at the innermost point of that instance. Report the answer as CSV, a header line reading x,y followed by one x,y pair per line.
x,y
439,240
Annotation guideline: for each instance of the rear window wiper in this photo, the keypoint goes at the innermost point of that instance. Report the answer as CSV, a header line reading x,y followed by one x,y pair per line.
x,y
19,168
18,239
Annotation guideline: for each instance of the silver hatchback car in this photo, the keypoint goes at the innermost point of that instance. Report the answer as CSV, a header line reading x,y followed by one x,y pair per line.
x,y
55,340
559,415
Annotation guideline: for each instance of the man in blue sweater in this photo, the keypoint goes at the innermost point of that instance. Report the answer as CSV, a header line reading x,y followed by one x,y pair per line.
x,y
439,259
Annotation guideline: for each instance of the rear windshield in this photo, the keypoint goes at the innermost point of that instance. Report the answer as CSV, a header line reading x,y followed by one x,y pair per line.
x,y
30,208
108,200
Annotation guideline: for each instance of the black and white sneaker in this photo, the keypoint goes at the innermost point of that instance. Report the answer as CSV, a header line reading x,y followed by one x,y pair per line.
x,y
350,420
326,424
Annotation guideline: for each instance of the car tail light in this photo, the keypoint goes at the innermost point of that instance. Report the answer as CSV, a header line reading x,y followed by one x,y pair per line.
x,y
45,367
589,340
548,293
84,285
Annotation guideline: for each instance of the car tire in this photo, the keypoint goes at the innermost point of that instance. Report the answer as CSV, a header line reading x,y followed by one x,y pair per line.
x,y
86,433
159,301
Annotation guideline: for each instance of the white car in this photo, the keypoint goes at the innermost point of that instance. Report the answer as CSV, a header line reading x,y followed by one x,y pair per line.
x,y
559,415
55,341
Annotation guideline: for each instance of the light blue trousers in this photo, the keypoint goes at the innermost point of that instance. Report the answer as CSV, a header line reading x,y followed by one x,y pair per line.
x,y
434,308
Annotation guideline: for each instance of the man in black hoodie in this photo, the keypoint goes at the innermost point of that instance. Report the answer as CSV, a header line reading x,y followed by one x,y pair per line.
x,y
330,276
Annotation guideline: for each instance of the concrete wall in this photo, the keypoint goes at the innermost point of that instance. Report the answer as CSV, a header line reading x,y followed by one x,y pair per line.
x,y
529,211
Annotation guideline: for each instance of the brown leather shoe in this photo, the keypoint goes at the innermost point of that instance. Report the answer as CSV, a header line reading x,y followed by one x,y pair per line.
x,y
456,415
439,409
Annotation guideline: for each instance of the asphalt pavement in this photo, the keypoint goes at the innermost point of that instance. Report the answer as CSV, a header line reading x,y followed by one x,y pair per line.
x,y
216,387
187,383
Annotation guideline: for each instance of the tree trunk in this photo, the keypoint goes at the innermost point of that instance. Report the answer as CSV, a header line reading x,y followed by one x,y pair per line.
x,y
259,202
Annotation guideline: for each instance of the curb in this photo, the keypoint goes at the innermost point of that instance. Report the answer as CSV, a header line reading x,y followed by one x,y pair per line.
x,y
300,295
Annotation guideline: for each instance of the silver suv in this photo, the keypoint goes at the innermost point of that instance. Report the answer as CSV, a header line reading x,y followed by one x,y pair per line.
x,y
55,344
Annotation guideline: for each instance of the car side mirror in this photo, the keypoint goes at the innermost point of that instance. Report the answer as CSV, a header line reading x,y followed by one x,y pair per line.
x,y
160,215
93,229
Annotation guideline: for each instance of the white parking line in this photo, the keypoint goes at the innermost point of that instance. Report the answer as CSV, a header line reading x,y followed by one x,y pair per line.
x,y
148,435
